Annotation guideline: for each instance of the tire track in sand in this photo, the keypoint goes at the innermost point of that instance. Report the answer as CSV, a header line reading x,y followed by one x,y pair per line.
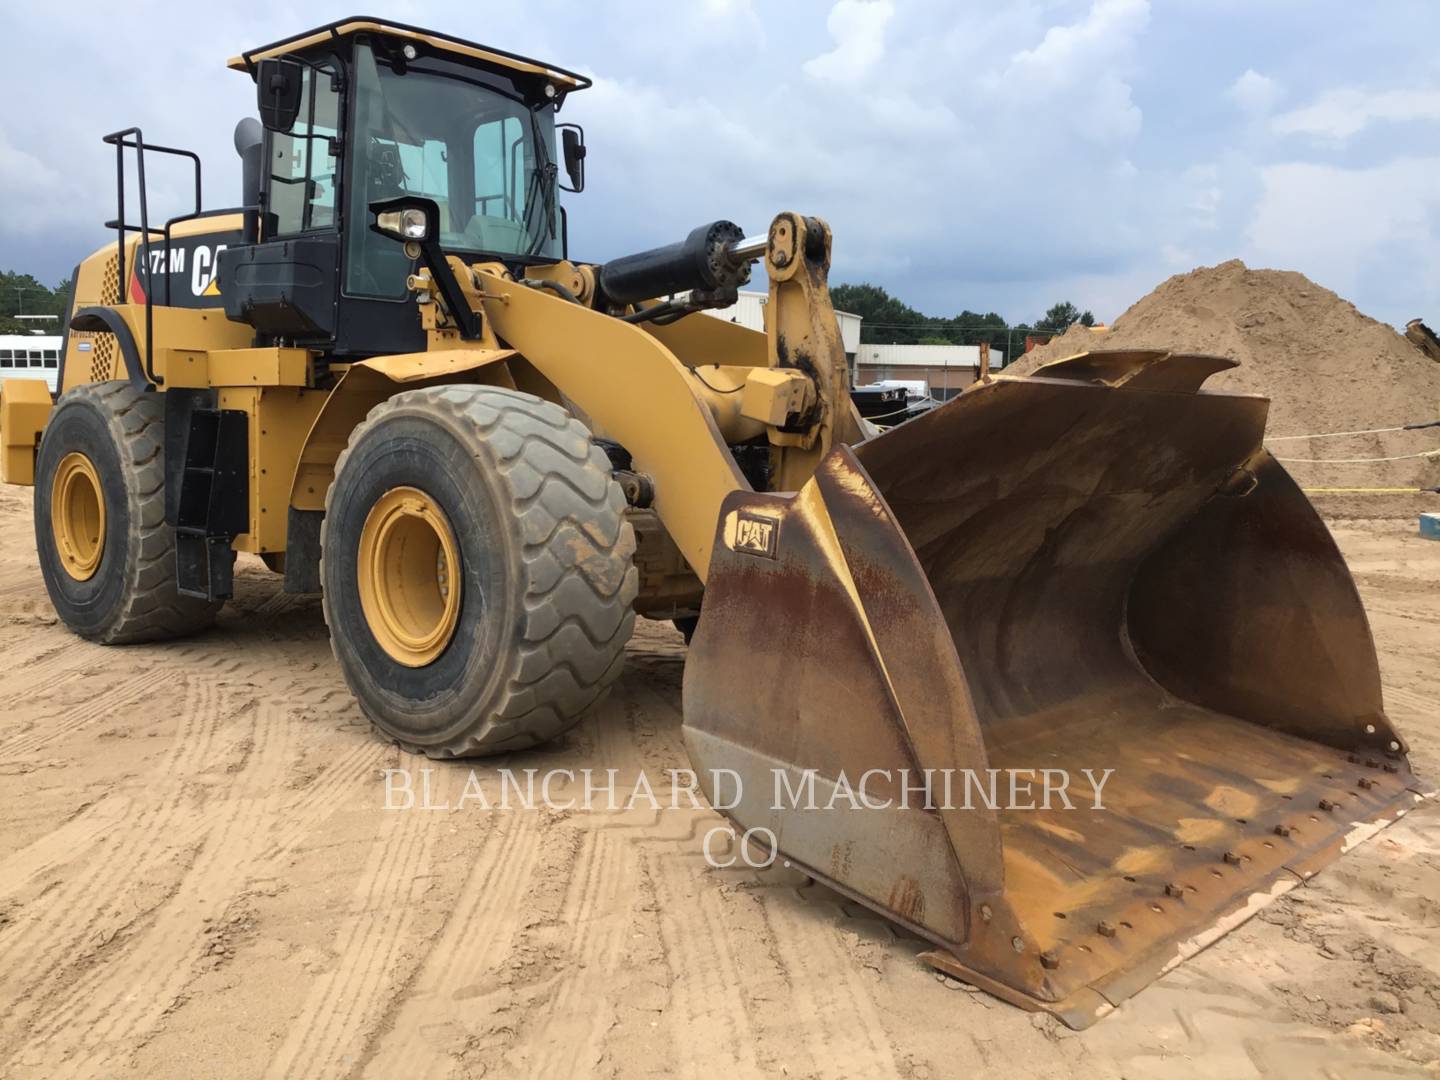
x,y
829,1002
1412,701
236,849
65,844
116,1001
50,935
460,970
335,1022
35,657
567,1030
710,1021
46,729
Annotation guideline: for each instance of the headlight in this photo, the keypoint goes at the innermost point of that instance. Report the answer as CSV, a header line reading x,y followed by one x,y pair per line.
x,y
408,224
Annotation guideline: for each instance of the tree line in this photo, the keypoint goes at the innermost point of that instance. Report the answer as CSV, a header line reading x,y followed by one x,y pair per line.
x,y
888,320
22,294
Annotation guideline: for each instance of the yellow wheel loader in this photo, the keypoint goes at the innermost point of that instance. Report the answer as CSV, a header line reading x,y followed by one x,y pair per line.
x,y
1066,676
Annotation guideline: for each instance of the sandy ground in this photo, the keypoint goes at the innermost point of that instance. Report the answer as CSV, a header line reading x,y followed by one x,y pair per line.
x,y
198,878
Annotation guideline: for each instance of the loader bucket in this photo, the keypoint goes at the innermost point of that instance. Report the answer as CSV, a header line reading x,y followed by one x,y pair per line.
x,y
1095,568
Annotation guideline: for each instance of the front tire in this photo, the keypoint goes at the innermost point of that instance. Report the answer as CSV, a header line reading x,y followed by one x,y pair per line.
x,y
106,553
477,570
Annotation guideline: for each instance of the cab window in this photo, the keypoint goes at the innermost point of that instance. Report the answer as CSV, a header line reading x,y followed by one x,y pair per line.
x,y
303,170
475,144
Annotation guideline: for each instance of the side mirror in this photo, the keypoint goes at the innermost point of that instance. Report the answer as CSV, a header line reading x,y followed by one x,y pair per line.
x,y
278,84
572,138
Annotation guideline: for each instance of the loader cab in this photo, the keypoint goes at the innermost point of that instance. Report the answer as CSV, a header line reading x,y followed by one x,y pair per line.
x,y
366,112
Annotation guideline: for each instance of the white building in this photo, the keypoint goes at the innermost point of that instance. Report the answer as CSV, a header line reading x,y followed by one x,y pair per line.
x,y
946,368
750,311
30,356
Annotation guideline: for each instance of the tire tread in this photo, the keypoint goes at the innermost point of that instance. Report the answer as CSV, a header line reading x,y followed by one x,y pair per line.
x,y
152,608
577,616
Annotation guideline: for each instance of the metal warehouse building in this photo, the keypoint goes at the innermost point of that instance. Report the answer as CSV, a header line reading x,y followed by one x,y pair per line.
x,y
750,311
947,368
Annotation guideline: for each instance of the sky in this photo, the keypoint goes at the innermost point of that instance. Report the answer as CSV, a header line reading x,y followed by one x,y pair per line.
x,y
968,154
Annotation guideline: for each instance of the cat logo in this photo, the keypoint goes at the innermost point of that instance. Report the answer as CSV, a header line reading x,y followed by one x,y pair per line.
x,y
755,535
203,280
185,272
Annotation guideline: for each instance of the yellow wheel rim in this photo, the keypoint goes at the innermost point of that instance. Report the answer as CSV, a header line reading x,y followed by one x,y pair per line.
x,y
77,516
409,576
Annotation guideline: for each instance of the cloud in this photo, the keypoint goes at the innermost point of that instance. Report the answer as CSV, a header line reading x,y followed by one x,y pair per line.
x,y
41,194
1375,219
966,153
1079,68
1253,92
1108,26
1339,114
1202,195
858,27
1177,256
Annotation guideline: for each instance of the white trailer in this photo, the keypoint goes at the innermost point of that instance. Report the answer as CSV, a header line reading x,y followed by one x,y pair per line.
x,y
30,356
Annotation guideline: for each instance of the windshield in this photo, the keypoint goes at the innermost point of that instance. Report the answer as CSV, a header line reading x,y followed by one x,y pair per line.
x,y
463,138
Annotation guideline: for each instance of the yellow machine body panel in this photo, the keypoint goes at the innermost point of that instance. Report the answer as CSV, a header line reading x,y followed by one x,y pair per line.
x,y
24,409
278,419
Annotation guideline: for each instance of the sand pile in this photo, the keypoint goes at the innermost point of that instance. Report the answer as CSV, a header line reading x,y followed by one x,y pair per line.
x,y
1325,366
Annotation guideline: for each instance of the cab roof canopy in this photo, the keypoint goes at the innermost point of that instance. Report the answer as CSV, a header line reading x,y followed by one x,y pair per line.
x,y
432,40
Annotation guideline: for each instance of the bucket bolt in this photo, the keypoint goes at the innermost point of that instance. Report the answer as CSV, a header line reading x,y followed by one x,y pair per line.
x,y
1106,929
1233,858
1326,804
1366,783
1283,830
1049,960
1175,890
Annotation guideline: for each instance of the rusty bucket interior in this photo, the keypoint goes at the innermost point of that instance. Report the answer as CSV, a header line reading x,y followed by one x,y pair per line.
x,y
1095,568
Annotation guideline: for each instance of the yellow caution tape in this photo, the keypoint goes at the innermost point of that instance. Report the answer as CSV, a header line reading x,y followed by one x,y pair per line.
x,y
1366,490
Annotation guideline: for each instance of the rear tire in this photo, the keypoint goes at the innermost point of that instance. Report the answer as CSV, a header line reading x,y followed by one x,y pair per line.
x,y
106,553
514,490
